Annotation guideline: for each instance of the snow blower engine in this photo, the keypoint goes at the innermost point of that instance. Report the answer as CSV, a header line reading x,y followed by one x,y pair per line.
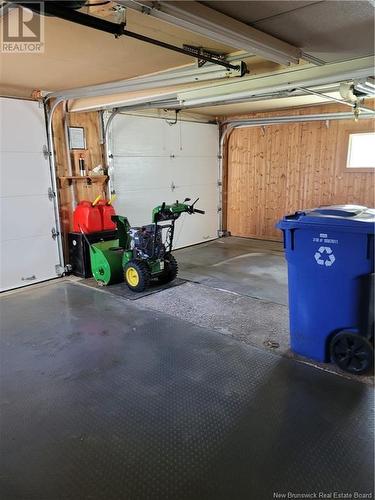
x,y
141,253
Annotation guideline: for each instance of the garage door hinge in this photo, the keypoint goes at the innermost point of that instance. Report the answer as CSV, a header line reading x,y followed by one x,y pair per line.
x,y
219,209
51,194
219,183
222,233
54,233
46,152
62,271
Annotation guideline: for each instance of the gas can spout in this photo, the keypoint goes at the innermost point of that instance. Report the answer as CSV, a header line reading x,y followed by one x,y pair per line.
x,y
96,201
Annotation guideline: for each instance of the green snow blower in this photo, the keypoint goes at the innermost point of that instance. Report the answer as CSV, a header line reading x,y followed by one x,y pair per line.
x,y
141,253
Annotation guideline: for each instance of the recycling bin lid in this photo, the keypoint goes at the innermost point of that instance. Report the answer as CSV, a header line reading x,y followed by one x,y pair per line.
x,y
337,215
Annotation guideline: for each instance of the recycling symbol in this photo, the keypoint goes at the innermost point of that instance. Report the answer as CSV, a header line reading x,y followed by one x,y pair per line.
x,y
324,256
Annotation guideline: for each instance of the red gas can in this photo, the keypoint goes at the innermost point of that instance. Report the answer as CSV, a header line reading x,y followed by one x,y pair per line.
x,y
87,218
106,211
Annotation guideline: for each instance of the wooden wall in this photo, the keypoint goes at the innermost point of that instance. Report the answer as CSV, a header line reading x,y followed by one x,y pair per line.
x,y
275,170
76,190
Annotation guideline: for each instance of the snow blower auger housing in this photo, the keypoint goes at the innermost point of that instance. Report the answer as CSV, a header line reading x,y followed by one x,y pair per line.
x,y
140,254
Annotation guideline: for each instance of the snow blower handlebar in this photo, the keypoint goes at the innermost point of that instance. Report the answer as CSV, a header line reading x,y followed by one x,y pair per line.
x,y
192,209
165,212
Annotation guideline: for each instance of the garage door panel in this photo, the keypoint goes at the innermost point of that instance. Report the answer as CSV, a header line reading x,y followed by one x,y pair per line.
x,y
197,227
204,228
26,214
143,178
23,174
194,171
22,126
142,173
207,197
194,139
137,205
15,217
134,135
19,261
163,172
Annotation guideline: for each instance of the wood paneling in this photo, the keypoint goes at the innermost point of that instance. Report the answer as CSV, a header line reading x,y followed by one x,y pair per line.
x,y
276,170
71,192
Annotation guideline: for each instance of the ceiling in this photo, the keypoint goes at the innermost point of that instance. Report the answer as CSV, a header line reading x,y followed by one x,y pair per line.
x,y
76,56
331,30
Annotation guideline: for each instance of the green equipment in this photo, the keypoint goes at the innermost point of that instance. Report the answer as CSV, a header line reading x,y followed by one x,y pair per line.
x,y
140,254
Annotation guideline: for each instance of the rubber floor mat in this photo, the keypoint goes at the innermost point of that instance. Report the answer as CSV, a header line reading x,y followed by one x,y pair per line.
x,y
122,290
104,400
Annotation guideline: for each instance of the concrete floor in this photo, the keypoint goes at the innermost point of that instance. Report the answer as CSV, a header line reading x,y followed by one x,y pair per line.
x,y
103,398
251,268
179,394
238,287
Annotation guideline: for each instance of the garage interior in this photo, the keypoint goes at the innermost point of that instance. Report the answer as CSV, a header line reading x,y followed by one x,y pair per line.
x,y
189,387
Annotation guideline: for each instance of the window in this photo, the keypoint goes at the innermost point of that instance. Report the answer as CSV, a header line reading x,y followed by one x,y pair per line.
x,y
361,151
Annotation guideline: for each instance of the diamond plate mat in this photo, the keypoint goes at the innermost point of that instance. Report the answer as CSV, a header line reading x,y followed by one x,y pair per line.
x,y
102,399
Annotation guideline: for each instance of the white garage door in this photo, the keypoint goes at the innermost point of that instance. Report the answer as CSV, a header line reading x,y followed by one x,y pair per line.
x,y
28,253
155,162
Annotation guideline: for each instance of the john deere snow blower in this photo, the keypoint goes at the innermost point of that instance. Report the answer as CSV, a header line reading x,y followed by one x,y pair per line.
x,y
140,254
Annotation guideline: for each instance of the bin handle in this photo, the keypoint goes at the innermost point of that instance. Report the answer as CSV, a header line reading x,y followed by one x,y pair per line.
x,y
338,213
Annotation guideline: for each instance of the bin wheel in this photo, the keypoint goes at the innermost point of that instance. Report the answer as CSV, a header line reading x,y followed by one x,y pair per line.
x,y
352,352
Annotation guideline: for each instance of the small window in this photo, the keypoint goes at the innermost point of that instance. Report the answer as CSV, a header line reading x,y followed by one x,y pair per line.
x,y
361,151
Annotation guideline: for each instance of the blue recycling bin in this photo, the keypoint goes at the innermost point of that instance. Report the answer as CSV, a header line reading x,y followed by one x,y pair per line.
x,y
330,256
